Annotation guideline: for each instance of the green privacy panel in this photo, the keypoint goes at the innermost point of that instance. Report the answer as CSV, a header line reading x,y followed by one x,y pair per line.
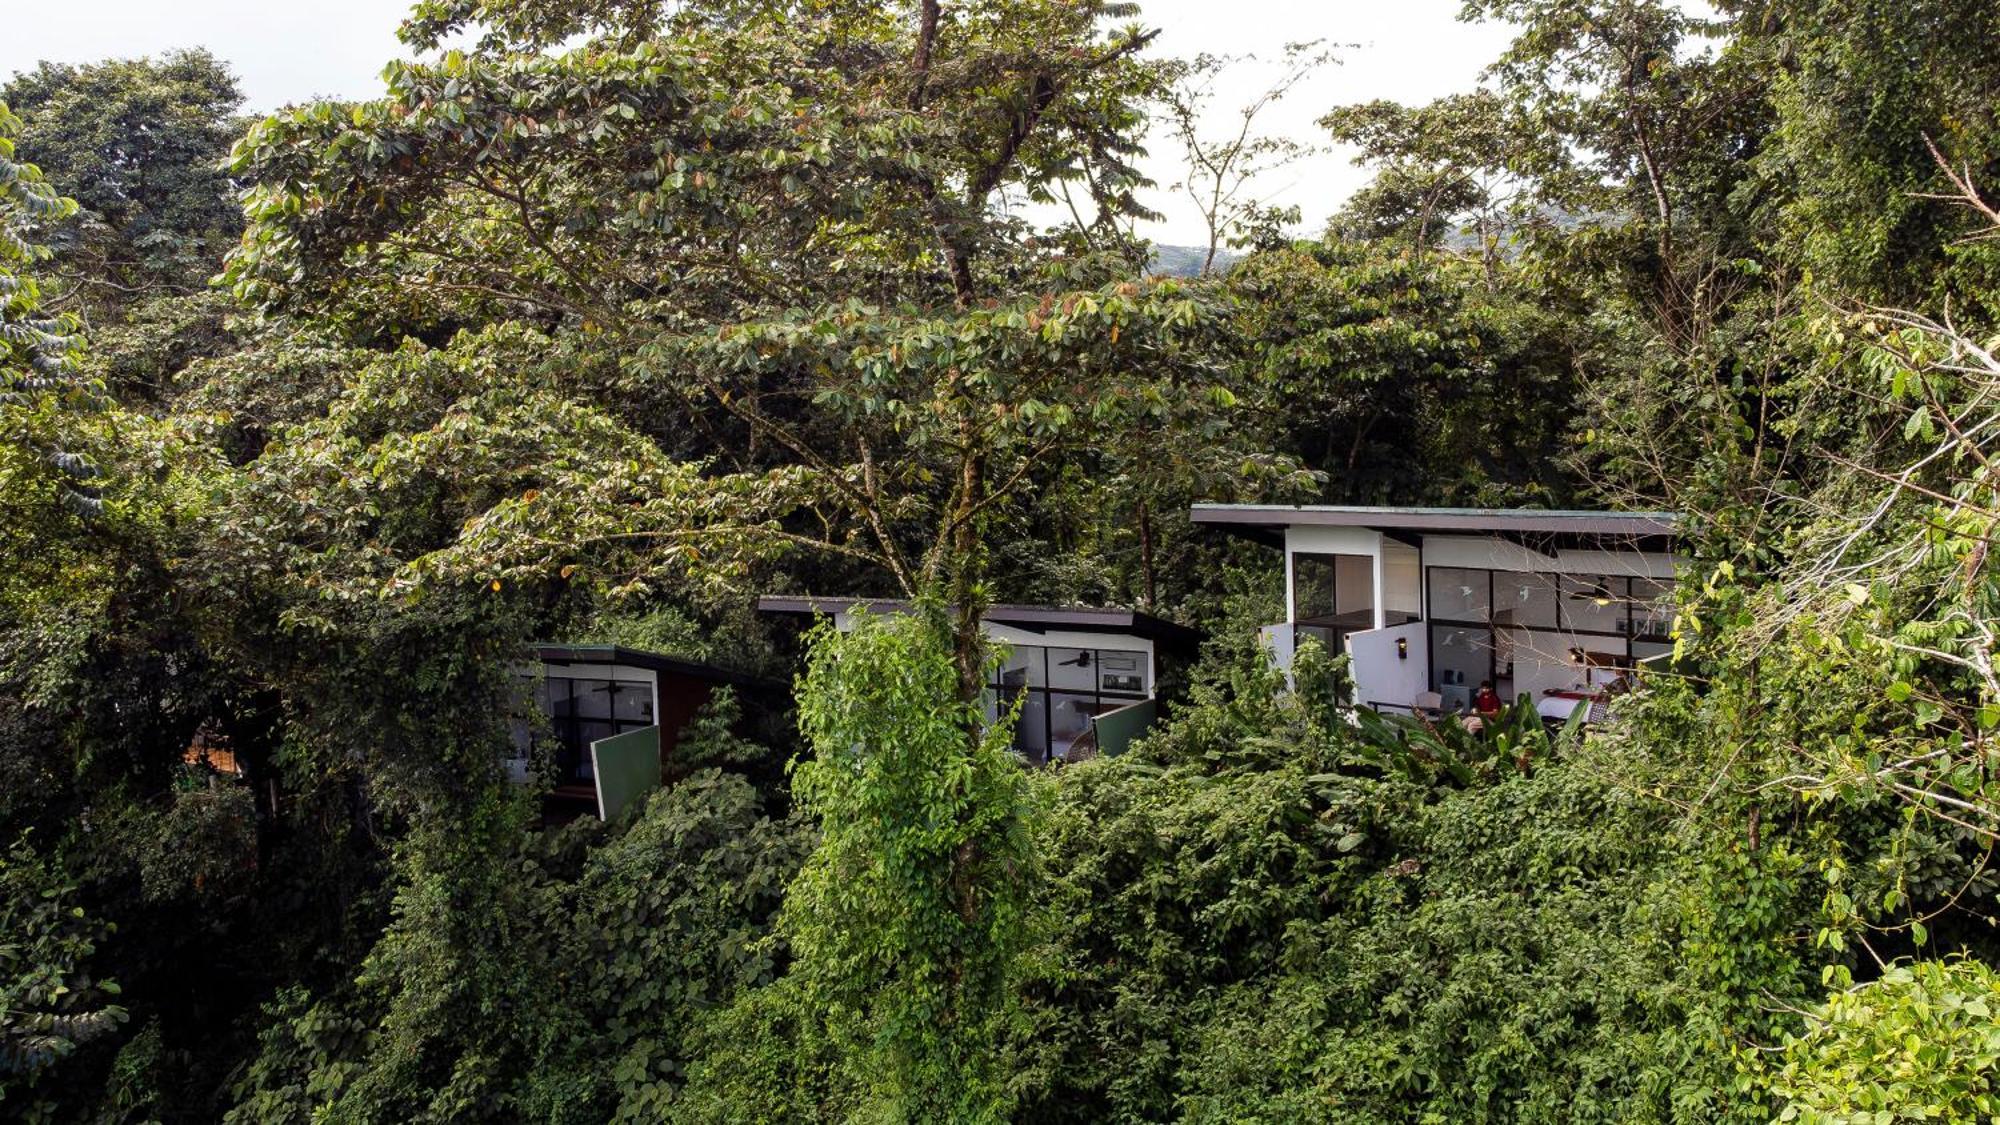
x,y
627,768
1116,729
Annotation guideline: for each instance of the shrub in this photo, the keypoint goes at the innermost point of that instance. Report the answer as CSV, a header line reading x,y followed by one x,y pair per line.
x,y
1919,1043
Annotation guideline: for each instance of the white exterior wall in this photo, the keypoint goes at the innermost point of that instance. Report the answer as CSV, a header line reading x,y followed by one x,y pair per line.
x,y
1356,584
1278,640
1402,578
1379,675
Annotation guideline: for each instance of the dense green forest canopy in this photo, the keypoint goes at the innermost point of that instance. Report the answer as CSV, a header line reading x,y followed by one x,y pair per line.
x,y
620,312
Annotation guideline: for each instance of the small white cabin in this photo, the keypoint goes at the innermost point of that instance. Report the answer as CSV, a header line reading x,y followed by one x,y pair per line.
x,y
1429,603
1084,676
604,705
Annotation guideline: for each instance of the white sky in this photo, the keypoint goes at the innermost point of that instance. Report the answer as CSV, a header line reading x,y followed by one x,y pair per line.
x,y
294,50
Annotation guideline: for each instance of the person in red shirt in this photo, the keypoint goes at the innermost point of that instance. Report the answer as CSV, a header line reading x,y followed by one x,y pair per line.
x,y
1487,701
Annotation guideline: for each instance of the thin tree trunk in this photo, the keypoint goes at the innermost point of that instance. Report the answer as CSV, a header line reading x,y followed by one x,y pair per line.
x,y
968,643
1146,550
920,59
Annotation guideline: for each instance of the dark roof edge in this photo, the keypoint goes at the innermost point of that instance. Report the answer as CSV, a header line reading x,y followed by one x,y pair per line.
x,y
1472,520
552,653
1129,621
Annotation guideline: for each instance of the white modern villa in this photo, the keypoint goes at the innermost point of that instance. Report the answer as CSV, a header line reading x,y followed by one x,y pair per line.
x,y
1428,603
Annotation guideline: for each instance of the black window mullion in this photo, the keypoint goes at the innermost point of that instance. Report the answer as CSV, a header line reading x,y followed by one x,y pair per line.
x,y
1492,628
1048,710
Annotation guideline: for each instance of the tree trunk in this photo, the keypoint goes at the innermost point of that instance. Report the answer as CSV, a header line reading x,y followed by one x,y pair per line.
x,y
967,600
1146,550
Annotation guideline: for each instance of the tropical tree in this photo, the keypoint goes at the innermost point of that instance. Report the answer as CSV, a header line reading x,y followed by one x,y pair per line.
x,y
1876,107
1442,167
1399,378
908,922
778,221
38,348
139,143
50,1003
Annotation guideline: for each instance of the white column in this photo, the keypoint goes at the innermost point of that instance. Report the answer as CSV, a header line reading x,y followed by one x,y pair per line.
x,y
1291,588
1375,569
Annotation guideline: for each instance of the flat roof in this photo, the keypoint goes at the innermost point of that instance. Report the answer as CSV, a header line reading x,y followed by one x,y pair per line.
x,y
1034,618
551,653
1253,518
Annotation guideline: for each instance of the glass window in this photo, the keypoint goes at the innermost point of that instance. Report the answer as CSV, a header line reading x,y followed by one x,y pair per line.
x,y
1527,600
1593,603
1312,586
1073,668
1031,731
1460,595
555,696
1123,672
1022,668
1069,720
590,699
1652,607
1331,641
587,732
1336,590
632,704
1085,682
1461,657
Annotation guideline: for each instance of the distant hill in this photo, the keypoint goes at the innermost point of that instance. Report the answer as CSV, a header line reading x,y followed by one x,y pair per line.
x,y
1185,261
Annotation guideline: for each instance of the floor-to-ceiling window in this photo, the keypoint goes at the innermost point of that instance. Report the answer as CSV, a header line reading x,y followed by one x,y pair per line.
x,y
1061,689
1463,645
1528,632
582,711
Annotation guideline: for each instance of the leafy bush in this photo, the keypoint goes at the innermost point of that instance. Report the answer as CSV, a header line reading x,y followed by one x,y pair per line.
x,y
205,843
552,979
1262,920
50,1002
908,919
1919,1043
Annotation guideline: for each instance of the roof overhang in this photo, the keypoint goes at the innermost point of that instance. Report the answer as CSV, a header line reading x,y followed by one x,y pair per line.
x,y
575,654
1033,618
1267,523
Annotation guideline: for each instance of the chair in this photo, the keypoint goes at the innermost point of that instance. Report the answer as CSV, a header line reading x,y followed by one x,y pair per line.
x,y
1428,704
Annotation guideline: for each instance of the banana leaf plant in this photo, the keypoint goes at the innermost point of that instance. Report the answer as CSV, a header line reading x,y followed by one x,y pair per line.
x,y
1447,749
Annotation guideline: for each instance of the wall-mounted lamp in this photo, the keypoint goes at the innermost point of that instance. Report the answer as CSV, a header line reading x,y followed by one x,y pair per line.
x,y
1402,648
1576,656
